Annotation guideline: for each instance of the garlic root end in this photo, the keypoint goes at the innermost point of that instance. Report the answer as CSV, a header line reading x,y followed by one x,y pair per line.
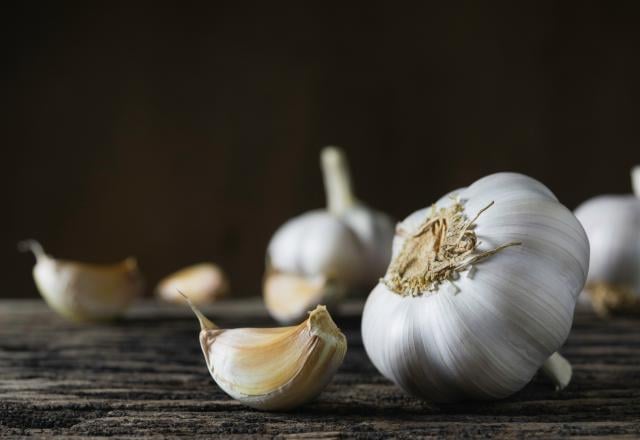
x,y
559,370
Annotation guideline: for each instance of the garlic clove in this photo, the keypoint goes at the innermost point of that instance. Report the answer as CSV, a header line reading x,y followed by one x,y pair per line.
x,y
274,368
288,297
85,292
204,282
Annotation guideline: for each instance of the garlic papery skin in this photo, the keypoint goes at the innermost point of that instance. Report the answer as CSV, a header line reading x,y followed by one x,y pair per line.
x,y
203,283
85,292
612,223
480,292
330,252
274,369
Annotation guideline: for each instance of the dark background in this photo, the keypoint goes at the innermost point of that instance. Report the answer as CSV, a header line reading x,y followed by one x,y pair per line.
x,y
187,132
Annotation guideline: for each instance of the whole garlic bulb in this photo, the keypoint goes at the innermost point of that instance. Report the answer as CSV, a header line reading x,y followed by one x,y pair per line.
x,y
85,292
480,292
320,255
273,369
612,223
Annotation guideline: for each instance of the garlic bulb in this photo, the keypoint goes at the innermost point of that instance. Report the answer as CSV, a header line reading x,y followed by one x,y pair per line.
x,y
203,283
81,291
319,256
480,292
612,223
273,369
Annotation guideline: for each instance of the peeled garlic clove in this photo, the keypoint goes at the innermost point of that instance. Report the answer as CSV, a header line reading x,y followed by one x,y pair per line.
x,y
274,369
203,283
287,296
480,293
85,292
612,223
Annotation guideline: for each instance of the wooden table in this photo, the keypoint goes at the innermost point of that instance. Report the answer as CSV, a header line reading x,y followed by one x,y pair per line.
x,y
145,375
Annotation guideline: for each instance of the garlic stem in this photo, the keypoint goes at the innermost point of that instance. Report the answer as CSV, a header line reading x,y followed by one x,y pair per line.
x,y
337,180
205,324
559,370
33,246
635,180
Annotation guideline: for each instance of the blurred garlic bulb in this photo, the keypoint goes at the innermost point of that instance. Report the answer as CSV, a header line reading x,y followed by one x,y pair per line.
x,y
320,255
82,291
480,292
273,369
203,283
612,223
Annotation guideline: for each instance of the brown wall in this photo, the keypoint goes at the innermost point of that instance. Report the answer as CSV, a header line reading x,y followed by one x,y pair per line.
x,y
184,133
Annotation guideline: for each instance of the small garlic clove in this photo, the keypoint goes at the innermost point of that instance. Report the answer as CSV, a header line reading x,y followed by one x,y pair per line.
x,y
288,296
85,292
203,283
274,368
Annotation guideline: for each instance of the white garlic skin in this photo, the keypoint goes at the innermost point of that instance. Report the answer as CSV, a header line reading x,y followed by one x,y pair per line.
x,y
486,337
612,224
354,248
375,232
316,243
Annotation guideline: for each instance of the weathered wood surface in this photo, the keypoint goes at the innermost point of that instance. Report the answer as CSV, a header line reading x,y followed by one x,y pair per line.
x,y
145,376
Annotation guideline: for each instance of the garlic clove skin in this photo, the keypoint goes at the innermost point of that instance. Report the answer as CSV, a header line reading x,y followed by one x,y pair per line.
x,y
203,283
274,369
288,297
483,331
83,292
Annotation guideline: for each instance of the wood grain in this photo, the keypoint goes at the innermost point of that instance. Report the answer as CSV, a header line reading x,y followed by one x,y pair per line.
x,y
145,376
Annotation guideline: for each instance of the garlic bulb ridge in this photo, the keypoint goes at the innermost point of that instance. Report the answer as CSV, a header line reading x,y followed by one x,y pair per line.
x,y
480,292
274,368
